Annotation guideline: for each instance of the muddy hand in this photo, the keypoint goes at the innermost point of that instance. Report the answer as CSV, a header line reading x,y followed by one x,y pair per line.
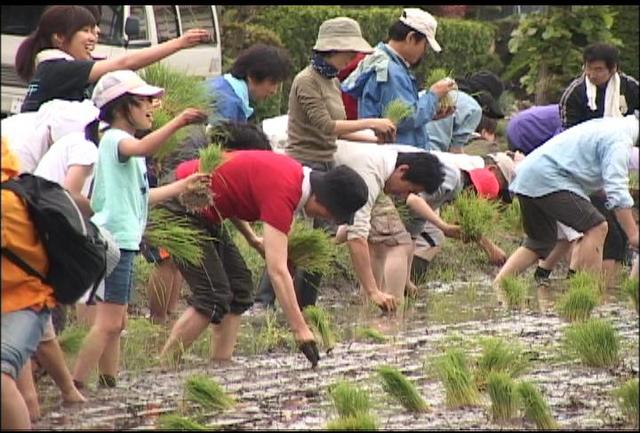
x,y
193,115
385,301
310,350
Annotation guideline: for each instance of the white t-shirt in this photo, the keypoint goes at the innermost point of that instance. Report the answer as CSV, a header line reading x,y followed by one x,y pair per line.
x,y
72,149
27,140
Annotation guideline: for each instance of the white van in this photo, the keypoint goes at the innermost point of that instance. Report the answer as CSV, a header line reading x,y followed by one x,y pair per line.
x,y
121,28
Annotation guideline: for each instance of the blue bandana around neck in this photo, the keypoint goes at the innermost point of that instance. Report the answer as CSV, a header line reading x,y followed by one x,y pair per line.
x,y
322,67
241,89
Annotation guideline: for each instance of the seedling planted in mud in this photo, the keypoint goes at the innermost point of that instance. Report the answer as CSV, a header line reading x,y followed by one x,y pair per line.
x,y
476,216
512,217
502,391
179,423
515,289
310,249
595,341
176,235
499,357
586,279
458,382
631,286
628,400
320,320
358,422
207,393
401,388
141,344
535,407
349,400
578,303
397,110
368,333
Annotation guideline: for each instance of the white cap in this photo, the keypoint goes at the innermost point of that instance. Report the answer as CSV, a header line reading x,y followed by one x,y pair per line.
x,y
115,84
64,117
424,23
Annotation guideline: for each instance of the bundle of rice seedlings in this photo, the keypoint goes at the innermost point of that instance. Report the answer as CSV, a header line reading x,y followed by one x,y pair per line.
x,y
578,303
535,407
515,289
401,388
207,393
349,400
199,196
70,339
141,270
595,341
397,110
368,333
310,249
436,75
362,421
631,287
320,320
629,401
586,279
502,391
457,379
476,216
175,234
181,91
178,422
499,357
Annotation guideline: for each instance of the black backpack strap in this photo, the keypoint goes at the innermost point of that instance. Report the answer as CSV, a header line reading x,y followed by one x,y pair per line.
x,y
24,265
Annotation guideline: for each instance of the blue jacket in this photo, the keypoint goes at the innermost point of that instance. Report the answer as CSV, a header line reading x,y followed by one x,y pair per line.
x,y
227,104
455,130
382,77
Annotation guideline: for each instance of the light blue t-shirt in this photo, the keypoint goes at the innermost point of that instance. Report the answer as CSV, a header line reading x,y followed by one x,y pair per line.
x,y
120,192
455,130
588,157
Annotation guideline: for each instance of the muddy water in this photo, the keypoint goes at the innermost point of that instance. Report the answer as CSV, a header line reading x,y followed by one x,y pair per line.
x,y
279,391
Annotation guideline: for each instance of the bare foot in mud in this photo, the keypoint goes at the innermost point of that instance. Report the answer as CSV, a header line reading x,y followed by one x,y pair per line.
x,y
72,397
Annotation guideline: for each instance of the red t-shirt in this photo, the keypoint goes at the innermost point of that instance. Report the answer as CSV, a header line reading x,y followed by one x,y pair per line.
x,y
253,185
350,103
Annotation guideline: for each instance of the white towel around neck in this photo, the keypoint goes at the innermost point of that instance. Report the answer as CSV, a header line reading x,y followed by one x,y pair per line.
x,y
611,96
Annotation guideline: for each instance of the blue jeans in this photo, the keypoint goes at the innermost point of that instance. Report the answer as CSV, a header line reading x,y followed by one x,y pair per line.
x,y
21,333
117,286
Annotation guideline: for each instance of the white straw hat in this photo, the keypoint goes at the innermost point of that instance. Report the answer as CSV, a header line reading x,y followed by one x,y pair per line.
x,y
341,34
422,22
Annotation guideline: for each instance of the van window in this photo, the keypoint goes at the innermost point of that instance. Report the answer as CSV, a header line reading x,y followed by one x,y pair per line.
x,y
20,20
111,25
166,22
140,12
198,16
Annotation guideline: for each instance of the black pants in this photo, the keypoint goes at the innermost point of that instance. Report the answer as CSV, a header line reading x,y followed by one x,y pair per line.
x,y
615,244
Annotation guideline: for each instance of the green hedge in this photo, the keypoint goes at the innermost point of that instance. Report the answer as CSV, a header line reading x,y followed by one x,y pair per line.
x,y
467,45
625,27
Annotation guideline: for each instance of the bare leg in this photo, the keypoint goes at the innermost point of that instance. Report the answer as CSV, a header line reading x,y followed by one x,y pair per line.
x,y
86,314
395,270
587,254
610,270
377,256
50,356
520,260
634,267
558,253
186,330
15,414
27,389
224,337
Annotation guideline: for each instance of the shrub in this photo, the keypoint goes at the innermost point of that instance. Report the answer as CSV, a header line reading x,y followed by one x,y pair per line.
x,y
402,389
628,400
595,342
535,407
457,379
207,393
349,400
625,27
502,391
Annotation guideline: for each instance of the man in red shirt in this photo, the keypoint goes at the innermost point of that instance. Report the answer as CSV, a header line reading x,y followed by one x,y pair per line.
x,y
255,186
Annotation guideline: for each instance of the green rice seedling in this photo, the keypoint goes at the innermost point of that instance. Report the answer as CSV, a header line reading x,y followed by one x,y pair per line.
x,y
436,75
512,217
70,339
397,110
207,393
210,158
578,302
368,333
320,320
176,235
199,195
310,249
141,344
362,421
179,423
515,289
269,335
141,270
349,400
401,388
499,357
631,287
458,382
476,216
628,400
595,342
535,407
502,391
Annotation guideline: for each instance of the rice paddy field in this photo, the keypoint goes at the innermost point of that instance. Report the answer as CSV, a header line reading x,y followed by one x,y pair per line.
x,y
273,387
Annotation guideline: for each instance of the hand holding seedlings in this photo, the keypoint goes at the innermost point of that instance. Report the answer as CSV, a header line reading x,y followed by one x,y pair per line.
x,y
442,87
384,128
194,37
383,300
192,115
452,231
310,350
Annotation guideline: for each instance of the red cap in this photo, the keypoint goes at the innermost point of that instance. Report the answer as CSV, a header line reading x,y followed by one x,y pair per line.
x,y
485,182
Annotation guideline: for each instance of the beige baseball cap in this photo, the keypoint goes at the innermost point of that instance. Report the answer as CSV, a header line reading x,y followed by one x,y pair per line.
x,y
505,164
115,84
341,34
424,23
